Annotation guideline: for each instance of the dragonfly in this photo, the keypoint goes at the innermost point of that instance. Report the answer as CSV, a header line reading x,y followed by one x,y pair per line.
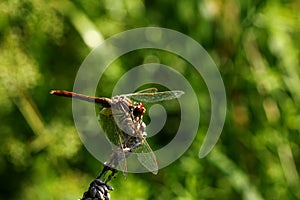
x,y
121,118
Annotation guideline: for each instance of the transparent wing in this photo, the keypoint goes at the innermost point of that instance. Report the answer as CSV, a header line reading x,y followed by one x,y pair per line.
x,y
152,97
146,157
118,156
148,90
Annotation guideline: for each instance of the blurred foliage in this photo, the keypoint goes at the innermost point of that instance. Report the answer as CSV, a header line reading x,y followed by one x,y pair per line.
x,y
255,45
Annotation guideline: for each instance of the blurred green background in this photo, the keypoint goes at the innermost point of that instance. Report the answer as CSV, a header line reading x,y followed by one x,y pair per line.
x,y
255,45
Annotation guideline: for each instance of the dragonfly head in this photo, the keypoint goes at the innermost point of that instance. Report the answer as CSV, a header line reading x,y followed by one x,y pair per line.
x,y
139,110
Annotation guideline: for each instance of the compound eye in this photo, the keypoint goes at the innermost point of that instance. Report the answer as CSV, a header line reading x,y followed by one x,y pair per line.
x,y
139,110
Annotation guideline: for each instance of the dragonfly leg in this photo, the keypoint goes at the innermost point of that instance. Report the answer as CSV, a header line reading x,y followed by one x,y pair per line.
x,y
112,174
105,169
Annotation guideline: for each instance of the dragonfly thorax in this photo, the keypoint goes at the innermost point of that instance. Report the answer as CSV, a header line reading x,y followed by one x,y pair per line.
x,y
128,116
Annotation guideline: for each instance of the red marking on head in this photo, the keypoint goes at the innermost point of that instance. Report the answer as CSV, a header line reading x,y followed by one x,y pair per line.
x,y
139,110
